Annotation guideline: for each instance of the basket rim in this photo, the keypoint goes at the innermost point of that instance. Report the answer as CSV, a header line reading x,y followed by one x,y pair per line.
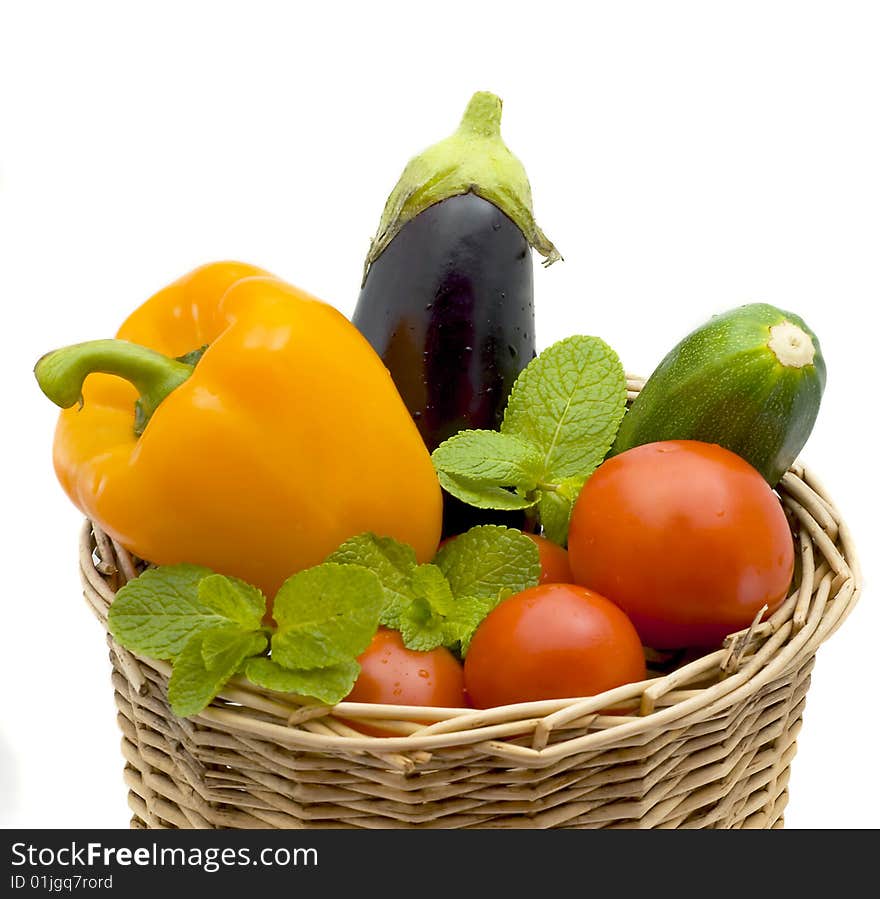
x,y
748,661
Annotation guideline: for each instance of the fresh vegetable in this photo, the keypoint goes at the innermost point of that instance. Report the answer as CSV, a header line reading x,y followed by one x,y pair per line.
x,y
548,642
286,437
212,627
391,674
441,604
555,567
686,537
559,423
446,298
750,380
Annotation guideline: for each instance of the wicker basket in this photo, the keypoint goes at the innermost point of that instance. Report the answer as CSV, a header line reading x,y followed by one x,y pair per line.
x,y
708,742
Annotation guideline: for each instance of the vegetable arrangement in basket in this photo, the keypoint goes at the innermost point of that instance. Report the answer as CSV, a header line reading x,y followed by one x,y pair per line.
x,y
414,506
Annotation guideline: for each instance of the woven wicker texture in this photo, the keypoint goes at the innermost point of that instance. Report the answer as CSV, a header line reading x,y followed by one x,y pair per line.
x,y
706,742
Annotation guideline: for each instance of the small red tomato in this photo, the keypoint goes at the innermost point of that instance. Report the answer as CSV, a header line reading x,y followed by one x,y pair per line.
x,y
686,537
554,561
551,642
391,674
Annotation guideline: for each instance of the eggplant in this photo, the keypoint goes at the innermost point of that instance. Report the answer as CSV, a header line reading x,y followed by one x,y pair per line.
x,y
447,294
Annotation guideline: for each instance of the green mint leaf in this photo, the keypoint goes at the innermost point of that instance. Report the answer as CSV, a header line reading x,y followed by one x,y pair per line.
x,y
392,562
424,630
194,683
329,685
157,613
568,402
326,616
489,470
554,509
470,613
491,459
233,599
483,497
424,623
429,584
218,641
421,631
489,559
480,568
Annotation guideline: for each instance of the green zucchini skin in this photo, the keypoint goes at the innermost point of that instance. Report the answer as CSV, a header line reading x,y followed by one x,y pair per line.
x,y
724,384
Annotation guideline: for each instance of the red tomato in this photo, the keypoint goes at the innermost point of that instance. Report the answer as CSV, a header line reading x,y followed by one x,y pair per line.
x,y
686,537
550,642
391,674
554,561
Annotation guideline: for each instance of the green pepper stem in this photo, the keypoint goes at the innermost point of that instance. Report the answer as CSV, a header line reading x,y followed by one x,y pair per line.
x,y
61,373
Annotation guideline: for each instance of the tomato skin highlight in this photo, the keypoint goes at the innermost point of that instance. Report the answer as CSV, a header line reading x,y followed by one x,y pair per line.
x,y
555,567
551,642
391,674
686,537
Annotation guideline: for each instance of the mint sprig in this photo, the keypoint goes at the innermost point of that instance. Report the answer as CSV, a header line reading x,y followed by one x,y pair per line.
x,y
326,616
561,418
327,685
433,617
443,603
197,677
392,562
159,612
489,560
212,627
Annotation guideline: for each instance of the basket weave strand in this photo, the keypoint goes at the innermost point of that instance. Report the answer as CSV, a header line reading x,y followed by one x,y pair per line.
x,y
705,742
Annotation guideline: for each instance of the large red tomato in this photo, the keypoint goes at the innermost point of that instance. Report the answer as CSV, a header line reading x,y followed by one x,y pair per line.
x,y
551,642
391,674
686,537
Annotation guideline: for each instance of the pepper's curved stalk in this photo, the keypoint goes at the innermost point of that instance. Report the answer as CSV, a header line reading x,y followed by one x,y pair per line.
x,y
474,159
61,373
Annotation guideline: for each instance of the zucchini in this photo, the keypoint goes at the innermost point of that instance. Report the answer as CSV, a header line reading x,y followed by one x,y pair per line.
x,y
750,379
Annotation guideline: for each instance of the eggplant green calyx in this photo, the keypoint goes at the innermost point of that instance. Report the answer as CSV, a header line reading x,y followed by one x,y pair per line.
x,y
472,160
61,373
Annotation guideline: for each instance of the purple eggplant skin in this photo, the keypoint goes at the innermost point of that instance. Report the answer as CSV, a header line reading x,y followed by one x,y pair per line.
x,y
449,307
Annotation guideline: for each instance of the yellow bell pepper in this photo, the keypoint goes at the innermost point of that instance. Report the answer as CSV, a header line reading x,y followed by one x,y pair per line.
x,y
257,459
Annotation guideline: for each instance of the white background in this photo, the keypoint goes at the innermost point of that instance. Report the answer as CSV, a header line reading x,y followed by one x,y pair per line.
x,y
685,158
